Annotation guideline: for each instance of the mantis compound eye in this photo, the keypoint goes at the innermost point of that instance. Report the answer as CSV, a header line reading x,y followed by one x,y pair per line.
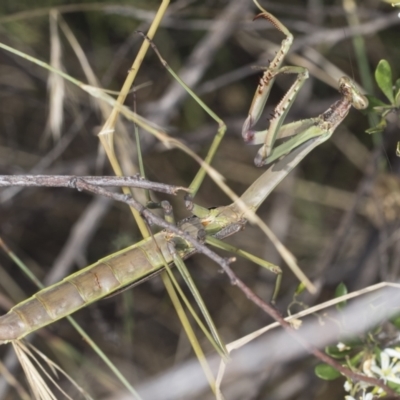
x,y
348,89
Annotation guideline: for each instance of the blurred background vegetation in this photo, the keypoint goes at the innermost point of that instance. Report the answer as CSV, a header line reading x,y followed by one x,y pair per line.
x,y
338,212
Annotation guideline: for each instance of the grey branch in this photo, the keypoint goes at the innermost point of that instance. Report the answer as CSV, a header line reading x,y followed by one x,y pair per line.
x,y
68,181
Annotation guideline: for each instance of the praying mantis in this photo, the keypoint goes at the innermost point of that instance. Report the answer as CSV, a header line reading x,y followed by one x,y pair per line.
x,y
208,226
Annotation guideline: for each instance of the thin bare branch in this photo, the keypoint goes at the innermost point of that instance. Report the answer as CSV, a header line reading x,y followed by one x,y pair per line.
x,y
68,181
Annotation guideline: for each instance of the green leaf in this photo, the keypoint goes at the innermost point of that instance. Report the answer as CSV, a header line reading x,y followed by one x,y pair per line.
x,y
377,352
374,102
398,149
326,372
394,386
397,98
355,360
396,321
300,289
383,77
334,352
397,85
378,128
341,290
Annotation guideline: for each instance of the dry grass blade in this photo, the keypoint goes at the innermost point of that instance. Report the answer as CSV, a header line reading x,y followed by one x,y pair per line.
x,y
38,385
55,82
23,394
40,389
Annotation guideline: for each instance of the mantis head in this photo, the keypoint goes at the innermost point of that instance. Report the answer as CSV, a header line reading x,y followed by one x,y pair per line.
x,y
348,89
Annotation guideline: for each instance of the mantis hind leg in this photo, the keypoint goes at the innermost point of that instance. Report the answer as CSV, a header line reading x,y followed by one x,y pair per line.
x,y
259,261
180,264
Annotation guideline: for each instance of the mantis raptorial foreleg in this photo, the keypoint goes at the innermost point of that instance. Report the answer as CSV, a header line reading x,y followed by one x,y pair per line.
x,y
269,136
299,131
260,98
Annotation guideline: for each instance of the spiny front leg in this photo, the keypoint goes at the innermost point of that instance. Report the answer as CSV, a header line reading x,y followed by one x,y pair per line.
x,y
302,137
269,136
299,132
267,80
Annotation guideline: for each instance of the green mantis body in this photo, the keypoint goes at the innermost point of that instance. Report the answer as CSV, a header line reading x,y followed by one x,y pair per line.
x,y
108,275
142,259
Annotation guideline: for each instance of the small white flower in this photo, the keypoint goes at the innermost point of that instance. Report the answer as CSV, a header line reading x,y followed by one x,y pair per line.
x,y
387,371
348,385
394,353
342,347
349,398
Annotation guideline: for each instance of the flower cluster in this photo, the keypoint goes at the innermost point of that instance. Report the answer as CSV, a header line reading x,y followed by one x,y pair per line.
x,y
387,370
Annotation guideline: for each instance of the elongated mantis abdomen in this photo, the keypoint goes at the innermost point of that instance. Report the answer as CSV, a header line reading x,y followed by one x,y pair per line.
x,y
84,287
